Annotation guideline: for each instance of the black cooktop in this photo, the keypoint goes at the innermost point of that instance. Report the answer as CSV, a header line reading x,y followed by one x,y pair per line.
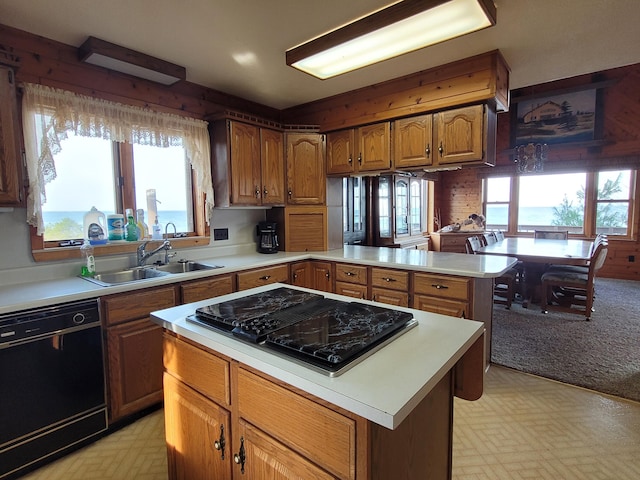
x,y
325,333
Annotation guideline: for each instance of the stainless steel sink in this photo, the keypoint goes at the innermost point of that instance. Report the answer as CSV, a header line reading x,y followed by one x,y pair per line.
x,y
129,275
184,267
138,274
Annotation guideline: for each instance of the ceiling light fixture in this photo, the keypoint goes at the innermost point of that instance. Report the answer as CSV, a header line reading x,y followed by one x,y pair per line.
x,y
121,59
400,28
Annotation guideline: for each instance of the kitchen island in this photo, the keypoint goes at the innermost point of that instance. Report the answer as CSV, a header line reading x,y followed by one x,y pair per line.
x,y
232,407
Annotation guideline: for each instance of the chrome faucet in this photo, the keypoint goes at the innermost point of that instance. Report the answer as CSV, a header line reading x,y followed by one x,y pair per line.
x,y
143,255
166,228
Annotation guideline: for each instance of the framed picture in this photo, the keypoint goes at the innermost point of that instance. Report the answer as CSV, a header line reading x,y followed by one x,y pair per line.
x,y
569,117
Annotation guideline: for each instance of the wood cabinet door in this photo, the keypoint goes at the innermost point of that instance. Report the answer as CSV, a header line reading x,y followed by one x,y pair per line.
x,y
322,276
413,142
459,135
134,352
245,164
340,152
10,158
374,147
261,457
198,434
306,183
301,274
272,167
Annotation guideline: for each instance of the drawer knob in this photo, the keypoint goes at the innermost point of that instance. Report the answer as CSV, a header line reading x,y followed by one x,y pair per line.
x,y
265,277
220,444
350,274
389,279
439,286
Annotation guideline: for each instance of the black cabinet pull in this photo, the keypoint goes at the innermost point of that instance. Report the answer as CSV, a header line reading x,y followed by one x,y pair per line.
x,y
439,286
220,443
240,457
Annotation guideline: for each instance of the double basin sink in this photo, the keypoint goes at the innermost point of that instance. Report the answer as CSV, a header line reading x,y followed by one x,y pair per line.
x,y
136,274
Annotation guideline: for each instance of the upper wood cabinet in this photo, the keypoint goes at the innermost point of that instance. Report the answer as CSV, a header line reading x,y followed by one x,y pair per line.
x,y
341,148
413,141
10,151
306,183
363,149
462,136
374,147
248,167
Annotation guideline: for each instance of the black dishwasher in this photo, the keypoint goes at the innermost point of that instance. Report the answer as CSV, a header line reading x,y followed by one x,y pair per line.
x,y
52,386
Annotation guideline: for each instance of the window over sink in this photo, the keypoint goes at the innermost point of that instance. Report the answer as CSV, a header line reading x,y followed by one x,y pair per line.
x,y
83,152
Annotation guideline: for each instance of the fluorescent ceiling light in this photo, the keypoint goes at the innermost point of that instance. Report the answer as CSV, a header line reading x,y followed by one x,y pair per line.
x,y
400,28
121,59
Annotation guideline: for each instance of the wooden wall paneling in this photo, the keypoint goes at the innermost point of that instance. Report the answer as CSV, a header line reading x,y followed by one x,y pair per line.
x,y
56,64
459,194
472,80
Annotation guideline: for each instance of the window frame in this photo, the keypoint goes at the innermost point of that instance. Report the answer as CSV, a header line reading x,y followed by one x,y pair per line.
x,y
123,162
590,202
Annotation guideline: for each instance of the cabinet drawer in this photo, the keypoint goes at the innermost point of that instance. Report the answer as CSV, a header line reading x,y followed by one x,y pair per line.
x,y
393,279
441,286
439,305
391,297
263,276
351,290
120,308
209,288
199,369
311,429
351,273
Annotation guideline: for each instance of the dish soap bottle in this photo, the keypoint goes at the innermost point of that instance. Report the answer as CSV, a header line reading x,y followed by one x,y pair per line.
x,y
142,227
130,229
88,268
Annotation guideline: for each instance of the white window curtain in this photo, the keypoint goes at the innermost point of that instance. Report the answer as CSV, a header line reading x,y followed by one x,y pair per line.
x,y
49,114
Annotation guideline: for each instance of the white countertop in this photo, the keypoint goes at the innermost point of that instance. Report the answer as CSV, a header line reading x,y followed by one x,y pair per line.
x,y
35,294
383,388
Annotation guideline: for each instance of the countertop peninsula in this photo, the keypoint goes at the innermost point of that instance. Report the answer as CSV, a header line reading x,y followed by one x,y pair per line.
x,y
33,289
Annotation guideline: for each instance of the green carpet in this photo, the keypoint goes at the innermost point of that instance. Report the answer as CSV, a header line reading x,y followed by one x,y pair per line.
x,y
601,355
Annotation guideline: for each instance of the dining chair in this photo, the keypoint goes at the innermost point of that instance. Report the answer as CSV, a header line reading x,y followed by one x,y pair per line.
x,y
488,238
504,286
573,292
551,234
600,238
472,244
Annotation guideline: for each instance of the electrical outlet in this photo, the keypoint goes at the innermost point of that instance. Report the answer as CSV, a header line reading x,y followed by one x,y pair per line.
x,y
220,234
632,258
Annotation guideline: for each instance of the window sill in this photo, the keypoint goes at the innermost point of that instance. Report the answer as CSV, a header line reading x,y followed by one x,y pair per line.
x,y
73,253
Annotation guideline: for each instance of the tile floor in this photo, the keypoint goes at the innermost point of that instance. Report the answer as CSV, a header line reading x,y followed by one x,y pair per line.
x,y
523,427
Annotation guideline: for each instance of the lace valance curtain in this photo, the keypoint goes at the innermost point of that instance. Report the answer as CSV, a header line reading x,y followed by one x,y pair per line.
x,y
50,114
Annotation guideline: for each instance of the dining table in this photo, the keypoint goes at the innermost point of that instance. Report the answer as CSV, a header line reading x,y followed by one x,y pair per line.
x,y
536,254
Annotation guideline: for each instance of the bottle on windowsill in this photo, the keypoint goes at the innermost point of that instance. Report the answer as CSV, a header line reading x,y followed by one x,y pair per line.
x,y
131,228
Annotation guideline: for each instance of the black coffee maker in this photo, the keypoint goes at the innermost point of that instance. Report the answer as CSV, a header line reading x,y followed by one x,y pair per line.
x,y
267,237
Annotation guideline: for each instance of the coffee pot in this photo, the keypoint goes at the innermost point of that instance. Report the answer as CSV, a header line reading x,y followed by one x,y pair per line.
x,y
267,237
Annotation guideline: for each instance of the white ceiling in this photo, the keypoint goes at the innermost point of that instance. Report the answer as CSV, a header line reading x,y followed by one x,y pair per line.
x,y
238,46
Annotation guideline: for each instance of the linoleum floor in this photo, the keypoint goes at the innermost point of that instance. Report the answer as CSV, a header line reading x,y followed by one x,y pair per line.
x,y
523,427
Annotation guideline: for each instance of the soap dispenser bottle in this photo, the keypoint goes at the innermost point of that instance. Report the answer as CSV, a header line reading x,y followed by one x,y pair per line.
x,y
88,268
